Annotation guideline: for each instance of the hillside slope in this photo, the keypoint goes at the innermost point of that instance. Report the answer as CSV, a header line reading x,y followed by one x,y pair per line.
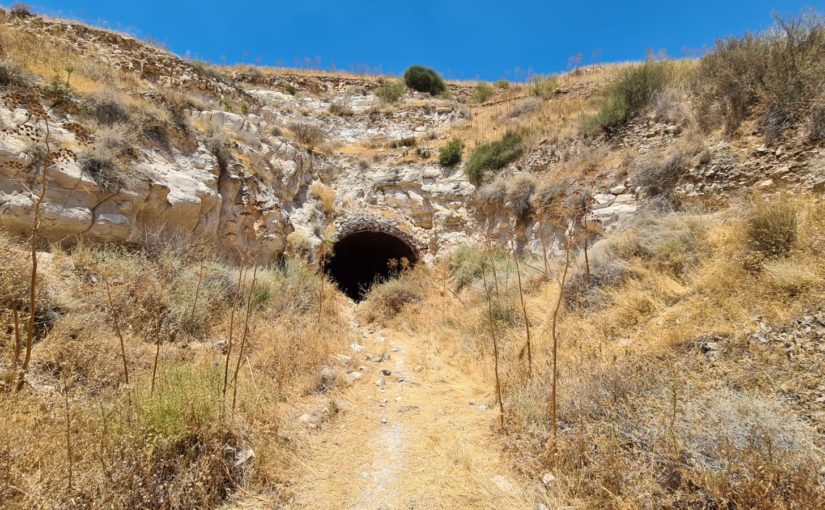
x,y
610,294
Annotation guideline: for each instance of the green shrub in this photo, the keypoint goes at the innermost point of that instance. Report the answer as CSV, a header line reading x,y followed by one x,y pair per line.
x,y
465,265
502,84
544,86
772,229
493,156
450,154
482,93
424,79
390,91
633,91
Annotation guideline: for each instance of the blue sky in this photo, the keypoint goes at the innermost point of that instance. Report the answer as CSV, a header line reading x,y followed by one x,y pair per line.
x,y
478,39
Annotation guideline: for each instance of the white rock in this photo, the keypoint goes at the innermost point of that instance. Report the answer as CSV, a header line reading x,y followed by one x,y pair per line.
x,y
243,456
357,348
547,479
504,485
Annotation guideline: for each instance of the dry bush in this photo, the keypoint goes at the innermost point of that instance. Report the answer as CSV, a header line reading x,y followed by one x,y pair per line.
x,y
21,10
341,109
547,199
525,107
118,142
324,194
777,72
16,275
482,93
307,134
492,196
772,228
102,168
520,190
388,299
672,106
390,91
108,110
544,86
816,130
658,176
672,244
11,75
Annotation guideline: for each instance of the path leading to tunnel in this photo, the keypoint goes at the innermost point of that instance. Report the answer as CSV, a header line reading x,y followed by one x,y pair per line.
x,y
420,435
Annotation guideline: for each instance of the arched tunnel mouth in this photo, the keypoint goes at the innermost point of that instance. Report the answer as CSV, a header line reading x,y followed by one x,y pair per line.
x,y
362,259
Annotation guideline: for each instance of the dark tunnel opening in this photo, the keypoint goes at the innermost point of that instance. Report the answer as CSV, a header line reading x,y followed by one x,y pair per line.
x,y
363,258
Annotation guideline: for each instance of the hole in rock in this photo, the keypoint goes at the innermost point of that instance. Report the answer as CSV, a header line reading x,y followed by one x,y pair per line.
x,y
363,258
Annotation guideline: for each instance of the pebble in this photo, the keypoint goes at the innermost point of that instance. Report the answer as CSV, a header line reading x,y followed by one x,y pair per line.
x,y
383,419
547,479
386,372
357,348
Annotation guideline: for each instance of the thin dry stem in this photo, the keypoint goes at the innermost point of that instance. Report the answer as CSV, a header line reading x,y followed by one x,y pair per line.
x,y
526,319
38,203
243,337
554,399
70,472
117,329
231,328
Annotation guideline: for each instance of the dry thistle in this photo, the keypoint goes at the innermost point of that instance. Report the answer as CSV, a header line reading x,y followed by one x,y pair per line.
x,y
495,345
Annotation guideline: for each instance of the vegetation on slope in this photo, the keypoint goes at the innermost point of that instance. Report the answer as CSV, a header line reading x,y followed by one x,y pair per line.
x,y
673,391
174,437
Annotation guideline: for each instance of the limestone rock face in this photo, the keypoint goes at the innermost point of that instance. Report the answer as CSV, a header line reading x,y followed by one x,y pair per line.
x,y
251,203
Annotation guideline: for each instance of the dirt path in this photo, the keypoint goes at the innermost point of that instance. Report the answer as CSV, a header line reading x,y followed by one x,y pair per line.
x,y
418,436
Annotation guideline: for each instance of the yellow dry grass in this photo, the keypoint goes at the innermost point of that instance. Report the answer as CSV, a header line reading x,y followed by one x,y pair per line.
x,y
642,339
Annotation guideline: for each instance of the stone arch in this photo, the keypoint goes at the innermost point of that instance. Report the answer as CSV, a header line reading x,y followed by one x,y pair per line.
x,y
369,249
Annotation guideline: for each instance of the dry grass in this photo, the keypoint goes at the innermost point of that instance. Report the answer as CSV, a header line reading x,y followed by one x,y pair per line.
x,y
660,403
47,58
176,446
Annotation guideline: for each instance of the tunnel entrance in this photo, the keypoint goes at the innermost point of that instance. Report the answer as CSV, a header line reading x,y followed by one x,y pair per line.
x,y
361,259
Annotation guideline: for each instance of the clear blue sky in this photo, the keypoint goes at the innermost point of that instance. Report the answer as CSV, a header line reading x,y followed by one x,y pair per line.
x,y
478,39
